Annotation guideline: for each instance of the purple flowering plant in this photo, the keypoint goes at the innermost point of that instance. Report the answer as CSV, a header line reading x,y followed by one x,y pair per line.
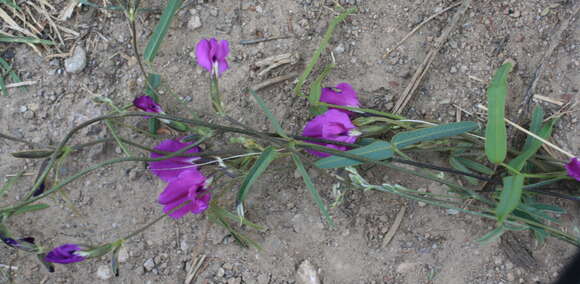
x,y
192,171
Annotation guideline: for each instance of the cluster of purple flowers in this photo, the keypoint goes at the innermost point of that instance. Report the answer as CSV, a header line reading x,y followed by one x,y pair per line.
x,y
334,124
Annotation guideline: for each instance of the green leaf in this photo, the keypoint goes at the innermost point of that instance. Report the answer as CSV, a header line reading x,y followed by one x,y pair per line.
x,y
456,164
30,208
217,217
268,155
234,217
495,132
379,150
8,68
3,87
316,56
316,92
492,235
408,138
510,196
548,207
154,83
478,167
21,39
271,117
313,190
532,144
11,3
161,30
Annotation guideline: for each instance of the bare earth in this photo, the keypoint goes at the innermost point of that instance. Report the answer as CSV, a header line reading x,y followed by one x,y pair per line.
x,y
432,245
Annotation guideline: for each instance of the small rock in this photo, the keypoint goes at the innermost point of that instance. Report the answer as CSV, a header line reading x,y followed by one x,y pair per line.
x,y
453,70
123,254
236,280
214,12
104,272
306,273
406,267
149,264
28,115
263,279
23,109
339,48
511,277
220,273
34,106
194,23
77,62
184,246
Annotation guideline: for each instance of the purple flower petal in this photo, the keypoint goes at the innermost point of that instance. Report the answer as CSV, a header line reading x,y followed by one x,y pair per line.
x,y
573,168
146,103
64,254
187,187
212,53
169,169
343,95
332,125
202,54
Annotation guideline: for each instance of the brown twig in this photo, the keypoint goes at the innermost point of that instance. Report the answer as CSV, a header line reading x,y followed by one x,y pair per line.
x,y
420,73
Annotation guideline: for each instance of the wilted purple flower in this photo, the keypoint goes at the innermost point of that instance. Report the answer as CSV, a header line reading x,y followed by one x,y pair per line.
x,y
26,244
332,125
212,54
169,169
342,95
189,187
146,103
64,254
573,168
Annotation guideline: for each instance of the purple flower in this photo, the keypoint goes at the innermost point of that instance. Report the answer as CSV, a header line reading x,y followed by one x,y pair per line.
x,y
342,95
332,125
169,169
64,254
573,168
212,54
189,187
26,244
146,103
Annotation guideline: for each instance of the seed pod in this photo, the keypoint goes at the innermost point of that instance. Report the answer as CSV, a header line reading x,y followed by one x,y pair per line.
x,y
33,154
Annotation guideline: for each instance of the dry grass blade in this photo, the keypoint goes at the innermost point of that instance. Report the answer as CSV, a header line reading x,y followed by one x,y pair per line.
x,y
418,76
68,10
398,220
11,24
194,269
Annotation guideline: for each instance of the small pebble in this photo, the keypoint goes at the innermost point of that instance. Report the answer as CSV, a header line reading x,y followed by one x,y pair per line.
x,y
104,272
306,273
123,254
23,108
149,264
194,23
77,62
339,48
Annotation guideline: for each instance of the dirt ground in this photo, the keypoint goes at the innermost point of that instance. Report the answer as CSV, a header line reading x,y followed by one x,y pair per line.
x,y
432,245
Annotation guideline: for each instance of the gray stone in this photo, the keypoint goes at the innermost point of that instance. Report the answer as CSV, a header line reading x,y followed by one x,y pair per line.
x,y
339,48
104,272
77,62
306,273
149,264
194,23
123,254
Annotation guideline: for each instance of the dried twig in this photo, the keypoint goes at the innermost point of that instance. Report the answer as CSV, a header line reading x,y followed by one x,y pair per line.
x,y
415,29
546,142
20,84
555,41
416,80
274,80
395,227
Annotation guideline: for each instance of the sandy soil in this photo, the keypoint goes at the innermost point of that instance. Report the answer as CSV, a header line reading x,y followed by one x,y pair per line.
x,y
431,245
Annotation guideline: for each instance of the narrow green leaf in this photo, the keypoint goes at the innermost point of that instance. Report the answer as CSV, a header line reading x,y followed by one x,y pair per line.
x,y
235,217
550,208
30,208
154,83
3,87
313,190
534,145
510,196
495,132
492,235
478,167
379,150
535,124
11,3
271,117
316,92
20,39
408,138
268,155
13,76
161,30
316,56
456,164
216,217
